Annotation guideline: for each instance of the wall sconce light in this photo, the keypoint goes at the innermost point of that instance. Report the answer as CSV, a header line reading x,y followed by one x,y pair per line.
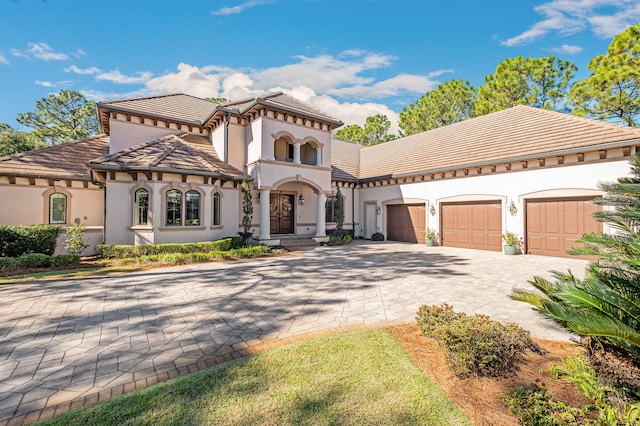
x,y
432,210
378,210
512,208
301,200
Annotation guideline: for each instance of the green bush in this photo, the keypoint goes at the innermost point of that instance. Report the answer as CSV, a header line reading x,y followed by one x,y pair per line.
x,y
62,260
8,264
236,241
128,251
18,240
34,260
535,407
475,345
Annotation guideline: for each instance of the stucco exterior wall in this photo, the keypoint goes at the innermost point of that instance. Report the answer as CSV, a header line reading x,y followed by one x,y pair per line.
x,y
562,181
120,199
29,207
125,134
237,146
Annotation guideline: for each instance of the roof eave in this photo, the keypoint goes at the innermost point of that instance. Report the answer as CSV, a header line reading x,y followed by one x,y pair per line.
x,y
568,151
125,169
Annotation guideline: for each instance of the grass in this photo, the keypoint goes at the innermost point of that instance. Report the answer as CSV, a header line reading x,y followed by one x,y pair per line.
x,y
359,378
66,273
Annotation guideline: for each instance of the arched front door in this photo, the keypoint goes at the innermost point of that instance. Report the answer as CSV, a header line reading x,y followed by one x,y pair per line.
x,y
282,209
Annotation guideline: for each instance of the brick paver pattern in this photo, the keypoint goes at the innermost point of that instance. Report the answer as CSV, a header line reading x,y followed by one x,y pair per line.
x,y
69,343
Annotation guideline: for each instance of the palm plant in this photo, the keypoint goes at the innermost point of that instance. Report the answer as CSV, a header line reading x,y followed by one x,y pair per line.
x,y
604,306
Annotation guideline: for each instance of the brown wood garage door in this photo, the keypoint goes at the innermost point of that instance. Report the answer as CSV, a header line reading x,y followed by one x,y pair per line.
x,y
475,225
406,222
554,225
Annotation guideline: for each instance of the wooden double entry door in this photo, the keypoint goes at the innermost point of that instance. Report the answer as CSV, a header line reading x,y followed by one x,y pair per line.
x,y
282,213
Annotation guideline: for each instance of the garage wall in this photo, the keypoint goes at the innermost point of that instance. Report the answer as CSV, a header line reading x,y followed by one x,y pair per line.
x,y
563,181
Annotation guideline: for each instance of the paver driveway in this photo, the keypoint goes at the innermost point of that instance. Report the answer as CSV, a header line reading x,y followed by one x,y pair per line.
x,y
86,339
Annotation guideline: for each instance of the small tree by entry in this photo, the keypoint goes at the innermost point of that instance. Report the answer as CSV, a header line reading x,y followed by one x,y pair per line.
x,y
247,205
339,210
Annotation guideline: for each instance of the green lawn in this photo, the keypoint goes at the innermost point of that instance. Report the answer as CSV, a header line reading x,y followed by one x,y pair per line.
x,y
360,378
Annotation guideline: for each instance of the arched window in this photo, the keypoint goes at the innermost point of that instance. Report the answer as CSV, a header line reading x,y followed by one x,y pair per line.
x,y
192,205
216,208
142,207
57,208
174,208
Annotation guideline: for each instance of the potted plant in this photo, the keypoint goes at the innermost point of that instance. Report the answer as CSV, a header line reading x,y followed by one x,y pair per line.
x,y
430,237
247,210
510,243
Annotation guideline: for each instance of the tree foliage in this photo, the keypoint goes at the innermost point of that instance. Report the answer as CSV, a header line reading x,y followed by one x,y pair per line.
x,y
374,132
605,306
449,103
62,117
612,91
538,82
13,141
247,204
339,209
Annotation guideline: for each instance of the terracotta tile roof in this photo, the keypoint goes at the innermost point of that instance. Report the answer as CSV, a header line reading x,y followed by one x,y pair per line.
x,y
345,160
185,108
517,133
169,154
281,101
67,160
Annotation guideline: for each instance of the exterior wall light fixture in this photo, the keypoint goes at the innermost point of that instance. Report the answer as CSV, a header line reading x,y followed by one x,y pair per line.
x,y
432,210
512,208
301,200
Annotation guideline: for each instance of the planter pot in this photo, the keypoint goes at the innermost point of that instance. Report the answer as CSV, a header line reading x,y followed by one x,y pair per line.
x,y
510,250
429,242
246,236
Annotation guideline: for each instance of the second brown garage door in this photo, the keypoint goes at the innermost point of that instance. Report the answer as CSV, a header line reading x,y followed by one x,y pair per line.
x,y
406,222
554,225
475,225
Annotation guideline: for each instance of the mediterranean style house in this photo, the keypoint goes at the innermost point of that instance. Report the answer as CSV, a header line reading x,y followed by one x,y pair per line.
x,y
169,168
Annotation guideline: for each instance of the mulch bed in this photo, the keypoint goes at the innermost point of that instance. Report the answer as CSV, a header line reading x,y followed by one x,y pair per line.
x,y
480,398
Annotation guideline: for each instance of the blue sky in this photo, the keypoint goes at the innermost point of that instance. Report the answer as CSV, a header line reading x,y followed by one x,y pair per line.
x,y
350,58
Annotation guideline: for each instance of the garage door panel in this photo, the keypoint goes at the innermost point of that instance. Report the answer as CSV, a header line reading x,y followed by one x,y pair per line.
x,y
475,225
554,225
406,222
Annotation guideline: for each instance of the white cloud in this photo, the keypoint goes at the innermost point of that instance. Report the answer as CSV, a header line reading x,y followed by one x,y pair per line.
x,y
567,49
226,10
82,71
189,79
40,51
571,16
117,77
3,59
55,84
341,85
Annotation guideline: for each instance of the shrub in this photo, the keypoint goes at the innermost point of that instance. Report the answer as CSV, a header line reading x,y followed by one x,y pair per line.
x,y
34,260
128,251
377,236
18,240
534,406
8,264
75,242
62,260
336,240
236,241
475,345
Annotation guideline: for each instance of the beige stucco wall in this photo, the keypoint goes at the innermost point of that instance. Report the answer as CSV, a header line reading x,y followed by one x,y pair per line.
x,y
125,134
28,207
563,181
120,202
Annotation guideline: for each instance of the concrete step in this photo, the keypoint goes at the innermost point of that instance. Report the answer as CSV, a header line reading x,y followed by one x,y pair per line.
x,y
298,242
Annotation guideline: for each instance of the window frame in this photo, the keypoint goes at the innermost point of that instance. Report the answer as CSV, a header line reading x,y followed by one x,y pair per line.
x,y
330,212
169,220
136,206
65,211
217,209
189,211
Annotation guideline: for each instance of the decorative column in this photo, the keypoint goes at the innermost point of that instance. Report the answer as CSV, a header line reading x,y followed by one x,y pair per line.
x,y
265,214
319,156
296,152
320,217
